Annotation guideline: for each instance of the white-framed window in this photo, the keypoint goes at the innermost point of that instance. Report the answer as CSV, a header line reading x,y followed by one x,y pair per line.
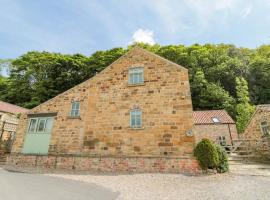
x,y
136,118
215,120
32,125
135,76
75,109
40,125
222,141
264,128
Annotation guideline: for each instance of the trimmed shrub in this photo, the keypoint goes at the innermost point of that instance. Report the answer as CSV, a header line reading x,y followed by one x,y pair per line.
x,y
223,165
207,155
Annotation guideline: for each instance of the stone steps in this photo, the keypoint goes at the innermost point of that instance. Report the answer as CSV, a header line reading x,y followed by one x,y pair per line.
x,y
3,159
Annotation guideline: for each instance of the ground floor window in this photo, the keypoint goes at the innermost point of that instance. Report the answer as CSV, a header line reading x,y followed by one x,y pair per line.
x,y
136,118
222,141
40,125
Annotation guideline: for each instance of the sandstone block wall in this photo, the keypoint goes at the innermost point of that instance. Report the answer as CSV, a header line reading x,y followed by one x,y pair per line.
x,y
253,130
104,164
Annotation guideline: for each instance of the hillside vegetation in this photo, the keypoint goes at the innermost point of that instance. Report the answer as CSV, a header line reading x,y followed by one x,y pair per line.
x,y
221,76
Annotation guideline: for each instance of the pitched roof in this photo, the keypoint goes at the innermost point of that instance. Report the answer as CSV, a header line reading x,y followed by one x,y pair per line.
x,y
206,117
10,108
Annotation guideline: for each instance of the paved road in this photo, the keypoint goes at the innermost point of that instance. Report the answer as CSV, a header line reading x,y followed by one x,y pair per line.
x,y
22,186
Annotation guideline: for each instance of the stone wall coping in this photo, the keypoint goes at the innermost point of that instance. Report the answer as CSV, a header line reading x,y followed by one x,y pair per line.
x,y
103,156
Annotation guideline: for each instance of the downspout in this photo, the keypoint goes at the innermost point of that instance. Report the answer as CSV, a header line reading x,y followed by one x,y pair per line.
x,y
2,129
230,133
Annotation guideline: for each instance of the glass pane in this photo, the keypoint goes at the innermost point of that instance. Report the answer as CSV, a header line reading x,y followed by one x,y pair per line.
x,y
133,123
136,78
41,125
32,125
49,124
76,112
72,113
73,106
77,105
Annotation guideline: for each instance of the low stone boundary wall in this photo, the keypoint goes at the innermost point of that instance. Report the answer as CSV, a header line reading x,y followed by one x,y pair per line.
x,y
105,164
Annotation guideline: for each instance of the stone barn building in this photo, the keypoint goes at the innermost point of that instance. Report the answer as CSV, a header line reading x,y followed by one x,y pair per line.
x,y
135,115
216,125
9,119
259,124
257,131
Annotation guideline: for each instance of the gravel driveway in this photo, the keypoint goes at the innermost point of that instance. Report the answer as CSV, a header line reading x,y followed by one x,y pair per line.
x,y
22,186
180,187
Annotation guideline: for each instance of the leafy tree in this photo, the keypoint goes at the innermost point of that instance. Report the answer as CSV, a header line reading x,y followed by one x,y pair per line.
x,y
213,69
209,95
243,108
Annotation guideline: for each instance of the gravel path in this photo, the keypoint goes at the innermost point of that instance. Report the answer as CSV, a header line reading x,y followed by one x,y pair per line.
x,y
180,187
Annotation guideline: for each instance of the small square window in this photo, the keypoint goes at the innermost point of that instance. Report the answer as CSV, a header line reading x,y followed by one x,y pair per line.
x,y
264,128
215,120
136,118
75,109
222,140
135,76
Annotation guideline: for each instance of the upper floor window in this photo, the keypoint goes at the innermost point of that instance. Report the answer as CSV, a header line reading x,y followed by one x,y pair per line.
x,y
264,128
75,109
215,120
136,118
40,125
135,76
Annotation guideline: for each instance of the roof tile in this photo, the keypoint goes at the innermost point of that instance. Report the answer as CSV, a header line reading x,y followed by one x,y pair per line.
x,y
10,108
206,117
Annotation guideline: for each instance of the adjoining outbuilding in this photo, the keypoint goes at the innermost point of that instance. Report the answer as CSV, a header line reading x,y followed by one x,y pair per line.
x,y
257,132
216,125
9,119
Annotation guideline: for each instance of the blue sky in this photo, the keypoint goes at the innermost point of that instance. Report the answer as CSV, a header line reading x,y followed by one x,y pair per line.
x,y
85,26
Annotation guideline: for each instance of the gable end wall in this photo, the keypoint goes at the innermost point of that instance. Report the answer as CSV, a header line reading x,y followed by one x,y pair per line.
x,y
105,103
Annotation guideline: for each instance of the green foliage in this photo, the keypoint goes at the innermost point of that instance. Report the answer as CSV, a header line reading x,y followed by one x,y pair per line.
x,y
223,164
243,108
211,156
207,155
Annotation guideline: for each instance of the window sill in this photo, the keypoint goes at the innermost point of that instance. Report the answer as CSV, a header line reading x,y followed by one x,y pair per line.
x,y
135,85
70,117
140,128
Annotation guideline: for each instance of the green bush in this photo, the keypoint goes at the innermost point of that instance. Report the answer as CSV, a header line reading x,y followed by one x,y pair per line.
x,y
223,165
207,155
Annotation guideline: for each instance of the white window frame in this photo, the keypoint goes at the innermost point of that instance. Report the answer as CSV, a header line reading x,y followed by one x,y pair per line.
x,y
44,125
136,76
136,115
264,128
30,124
222,140
36,127
75,107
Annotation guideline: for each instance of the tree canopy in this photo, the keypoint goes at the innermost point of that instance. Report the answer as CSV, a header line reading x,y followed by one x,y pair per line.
x,y
213,69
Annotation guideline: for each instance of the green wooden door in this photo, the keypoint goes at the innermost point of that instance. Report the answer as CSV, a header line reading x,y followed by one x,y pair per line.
x,y
37,138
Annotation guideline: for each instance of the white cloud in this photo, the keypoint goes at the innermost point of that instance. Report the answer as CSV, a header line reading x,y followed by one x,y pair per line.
x,y
143,35
246,11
